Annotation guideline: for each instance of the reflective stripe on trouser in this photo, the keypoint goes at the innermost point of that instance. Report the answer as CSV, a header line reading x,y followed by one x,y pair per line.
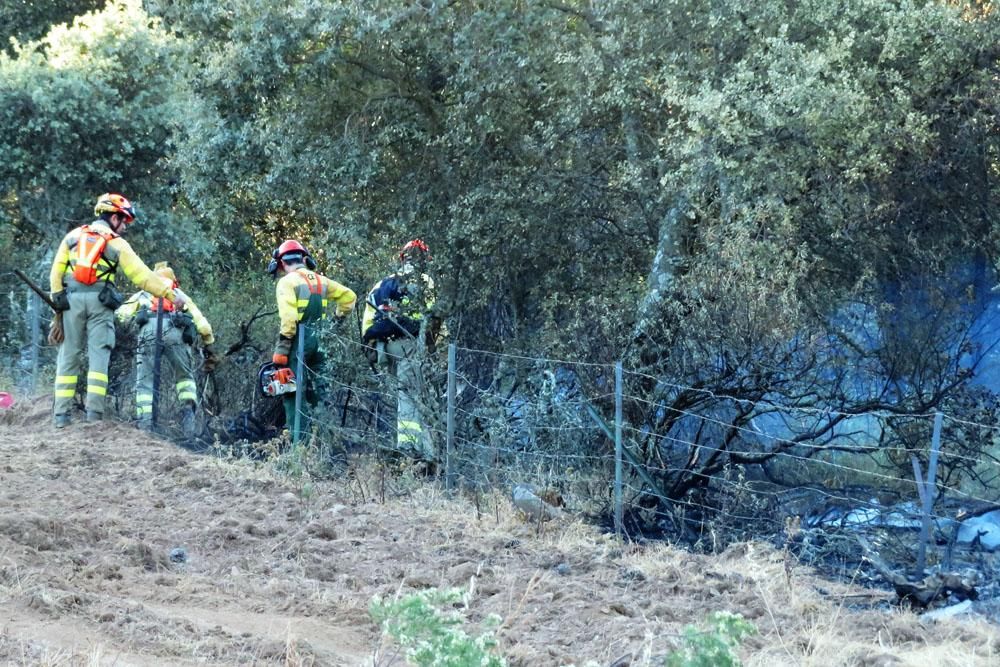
x,y
175,360
411,437
89,327
187,390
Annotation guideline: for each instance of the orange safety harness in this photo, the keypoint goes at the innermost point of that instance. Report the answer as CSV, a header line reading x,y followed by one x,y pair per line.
x,y
89,250
160,302
316,288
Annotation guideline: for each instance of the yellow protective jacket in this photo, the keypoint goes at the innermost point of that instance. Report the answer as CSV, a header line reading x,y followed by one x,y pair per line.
x,y
293,294
127,311
118,254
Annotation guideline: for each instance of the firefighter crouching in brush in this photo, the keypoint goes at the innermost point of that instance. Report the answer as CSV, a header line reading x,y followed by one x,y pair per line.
x,y
399,322
82,282
180,330
304,298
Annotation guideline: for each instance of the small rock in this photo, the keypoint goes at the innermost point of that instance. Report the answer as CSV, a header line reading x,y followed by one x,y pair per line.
x,y
879,660
178,555
534,507
631,574
948,612
563,569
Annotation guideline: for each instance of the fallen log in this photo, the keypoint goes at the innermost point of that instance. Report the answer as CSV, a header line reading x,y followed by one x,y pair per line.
x,y
924,591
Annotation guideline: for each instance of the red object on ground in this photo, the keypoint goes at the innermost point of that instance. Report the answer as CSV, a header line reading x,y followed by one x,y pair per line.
x,y
6,400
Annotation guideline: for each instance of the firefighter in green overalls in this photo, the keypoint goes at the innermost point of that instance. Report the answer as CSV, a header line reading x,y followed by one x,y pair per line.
x,y
304,296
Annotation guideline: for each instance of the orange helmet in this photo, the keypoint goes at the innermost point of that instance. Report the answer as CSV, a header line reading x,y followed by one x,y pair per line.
x,y
412,248
114,203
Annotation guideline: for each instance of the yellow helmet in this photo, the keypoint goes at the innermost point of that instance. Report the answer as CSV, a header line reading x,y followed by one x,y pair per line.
x,y
114,203
162,269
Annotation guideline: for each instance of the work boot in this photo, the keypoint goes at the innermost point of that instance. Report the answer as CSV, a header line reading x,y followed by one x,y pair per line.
x,y
94,417
61,421
187,421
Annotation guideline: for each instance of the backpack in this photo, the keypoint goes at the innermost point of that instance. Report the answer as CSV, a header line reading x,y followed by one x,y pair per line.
x,y
384,298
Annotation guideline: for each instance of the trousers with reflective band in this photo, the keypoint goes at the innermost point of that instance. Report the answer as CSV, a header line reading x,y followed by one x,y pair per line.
x,y
412,438
89,331
176,363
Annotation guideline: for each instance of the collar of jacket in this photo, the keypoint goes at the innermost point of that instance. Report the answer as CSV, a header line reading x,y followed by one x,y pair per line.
x,y
100,223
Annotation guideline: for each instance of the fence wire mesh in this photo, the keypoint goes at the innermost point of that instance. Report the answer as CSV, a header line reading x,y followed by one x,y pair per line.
x,y
705,472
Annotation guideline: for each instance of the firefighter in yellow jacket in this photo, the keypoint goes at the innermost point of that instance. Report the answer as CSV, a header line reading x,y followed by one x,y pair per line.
x,y
82,281
304,298
180,329
399,320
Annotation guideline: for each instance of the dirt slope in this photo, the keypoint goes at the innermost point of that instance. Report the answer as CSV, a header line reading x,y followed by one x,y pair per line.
x,y
278,572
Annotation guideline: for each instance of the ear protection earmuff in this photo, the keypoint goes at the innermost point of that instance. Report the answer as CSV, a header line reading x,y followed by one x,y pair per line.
x,y
272,266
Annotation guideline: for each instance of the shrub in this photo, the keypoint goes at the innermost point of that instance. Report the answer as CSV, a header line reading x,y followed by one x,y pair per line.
x,y
432,637
715,647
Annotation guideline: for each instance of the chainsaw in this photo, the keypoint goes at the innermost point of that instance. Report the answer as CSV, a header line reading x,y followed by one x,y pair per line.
x,y
274,380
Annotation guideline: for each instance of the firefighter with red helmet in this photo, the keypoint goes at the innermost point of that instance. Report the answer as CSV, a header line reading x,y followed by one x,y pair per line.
x,y
82,281
399,323
304,297
180,330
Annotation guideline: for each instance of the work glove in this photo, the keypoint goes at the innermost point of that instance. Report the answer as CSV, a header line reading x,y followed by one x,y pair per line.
x,y
61,300
180,299
56,335
142,316
282,349
211,359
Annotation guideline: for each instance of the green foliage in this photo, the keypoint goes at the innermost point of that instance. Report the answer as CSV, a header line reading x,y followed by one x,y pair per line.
x,y
87,109
431,636
723,195
715,647
28,20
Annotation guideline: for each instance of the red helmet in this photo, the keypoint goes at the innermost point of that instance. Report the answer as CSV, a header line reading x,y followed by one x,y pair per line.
x,y
291,245
114,203
412,248
288,247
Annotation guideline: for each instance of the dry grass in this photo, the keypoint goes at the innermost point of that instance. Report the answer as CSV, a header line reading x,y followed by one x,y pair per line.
x,y
281,570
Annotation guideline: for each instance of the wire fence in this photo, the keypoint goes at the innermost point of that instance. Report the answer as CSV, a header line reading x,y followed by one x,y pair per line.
x,y
592,439
711,476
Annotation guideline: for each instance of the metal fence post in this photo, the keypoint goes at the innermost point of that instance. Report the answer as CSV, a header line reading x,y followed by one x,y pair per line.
x,y
619,510
157,361
300,380
34,304
929,486
450,439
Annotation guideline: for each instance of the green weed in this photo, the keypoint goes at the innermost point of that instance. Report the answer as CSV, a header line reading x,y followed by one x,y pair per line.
x,y
715,647
432,636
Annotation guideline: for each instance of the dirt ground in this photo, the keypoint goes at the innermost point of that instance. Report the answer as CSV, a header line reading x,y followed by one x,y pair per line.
x,y
277,570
